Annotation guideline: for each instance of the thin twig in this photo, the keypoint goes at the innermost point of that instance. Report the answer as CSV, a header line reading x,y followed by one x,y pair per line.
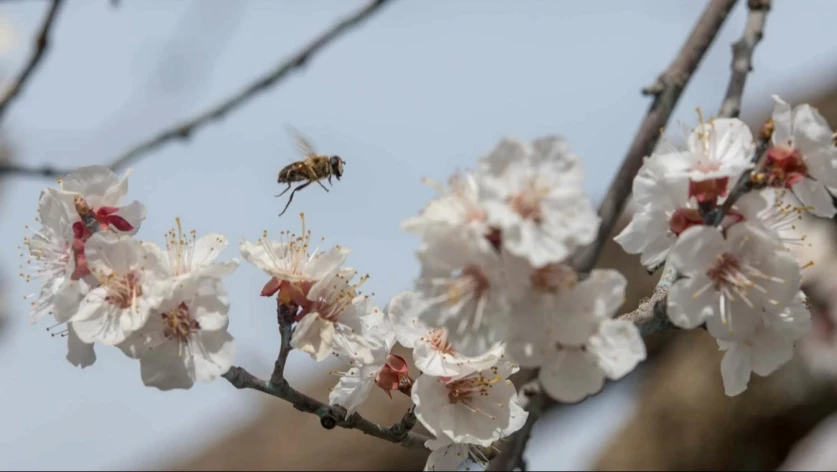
x,y
41,45
742,56
666,91
185,129
330,415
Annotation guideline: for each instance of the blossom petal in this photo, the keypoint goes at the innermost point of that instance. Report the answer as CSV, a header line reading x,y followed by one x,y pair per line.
x,y
402,311
352,390
618,347
815,194
689,303
696,249
314,336
782,123
79,353
735,369
571,375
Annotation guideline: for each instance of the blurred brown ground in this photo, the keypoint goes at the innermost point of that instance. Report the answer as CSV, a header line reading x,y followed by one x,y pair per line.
x,y
683,422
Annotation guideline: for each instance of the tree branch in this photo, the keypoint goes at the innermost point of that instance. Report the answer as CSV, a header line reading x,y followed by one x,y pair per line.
x,y
41,45
185,129
330,415
742,56
666,91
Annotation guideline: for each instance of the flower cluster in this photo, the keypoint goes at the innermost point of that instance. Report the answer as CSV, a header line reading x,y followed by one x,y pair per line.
x,y
731,245
165,307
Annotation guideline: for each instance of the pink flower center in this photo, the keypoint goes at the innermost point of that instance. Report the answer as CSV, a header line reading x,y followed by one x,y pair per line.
x,y
178,323
464,391
683,219
784,167
553,278
725,270
527,203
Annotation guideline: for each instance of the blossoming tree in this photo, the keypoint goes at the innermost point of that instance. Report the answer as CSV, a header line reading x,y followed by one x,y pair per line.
x,y
507,276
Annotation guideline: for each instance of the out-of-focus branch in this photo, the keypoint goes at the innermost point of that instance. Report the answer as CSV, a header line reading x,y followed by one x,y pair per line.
x,y
742,56
41,45
666,91
185,129
330,415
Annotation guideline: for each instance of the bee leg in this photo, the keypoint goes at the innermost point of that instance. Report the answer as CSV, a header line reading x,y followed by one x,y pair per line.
x,y
323,186
329,178
284,191
291,198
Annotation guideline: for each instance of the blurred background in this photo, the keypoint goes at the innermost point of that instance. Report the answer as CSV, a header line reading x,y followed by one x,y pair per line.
x,y
421,89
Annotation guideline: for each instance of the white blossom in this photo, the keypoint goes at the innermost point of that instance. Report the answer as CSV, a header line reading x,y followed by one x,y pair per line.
x,y
447,455
185,339
479,408
190,256
769,347
457,212
387,371
533,194
666,210
780,213
803,157
102,191
729,282
129,291
50,254
468,291
291,264
334,318
566,329
432,353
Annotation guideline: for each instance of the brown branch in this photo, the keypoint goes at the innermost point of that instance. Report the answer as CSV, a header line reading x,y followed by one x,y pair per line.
x,y
330,415
185,129
666,90
742,56
41,45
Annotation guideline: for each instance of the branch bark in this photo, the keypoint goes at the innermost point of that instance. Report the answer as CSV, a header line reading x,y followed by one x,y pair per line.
x,y
330,416
742,56
185,129
41,46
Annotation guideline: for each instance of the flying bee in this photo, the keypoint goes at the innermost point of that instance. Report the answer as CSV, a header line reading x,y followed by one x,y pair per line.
x,y
313,168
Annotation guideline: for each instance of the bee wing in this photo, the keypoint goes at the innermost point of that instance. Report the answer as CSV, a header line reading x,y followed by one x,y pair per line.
x,y
302,143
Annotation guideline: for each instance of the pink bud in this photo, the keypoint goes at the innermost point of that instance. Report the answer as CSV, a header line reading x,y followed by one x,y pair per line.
x,y
394,375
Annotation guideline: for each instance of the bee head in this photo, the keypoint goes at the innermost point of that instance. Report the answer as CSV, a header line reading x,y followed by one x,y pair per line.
x,y
337,166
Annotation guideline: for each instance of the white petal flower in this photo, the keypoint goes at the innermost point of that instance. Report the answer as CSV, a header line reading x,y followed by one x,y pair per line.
x,y
79,353
129,291
730,281
187,255
185,339
479,408
290,264
571,335
457,212
432,353
769,347
102,191
468,291
803,157
533,194
721,148
447,455
335,318
781,214
666,211
50,253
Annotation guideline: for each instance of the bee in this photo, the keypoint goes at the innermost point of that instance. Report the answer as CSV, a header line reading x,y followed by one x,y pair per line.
x,y
313,168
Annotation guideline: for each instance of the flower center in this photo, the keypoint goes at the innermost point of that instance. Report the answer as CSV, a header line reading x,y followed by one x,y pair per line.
x,y
464,391
527,203
123,290
784,167
333,302
552,278
683,219
178,323
438,338
470,282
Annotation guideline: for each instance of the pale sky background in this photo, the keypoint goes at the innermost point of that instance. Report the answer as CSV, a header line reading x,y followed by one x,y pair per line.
x,y
421,89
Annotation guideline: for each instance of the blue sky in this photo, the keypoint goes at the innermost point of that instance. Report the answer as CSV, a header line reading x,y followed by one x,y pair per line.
x,y
422,89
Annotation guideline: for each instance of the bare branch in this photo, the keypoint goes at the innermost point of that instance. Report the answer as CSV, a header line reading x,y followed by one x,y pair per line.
x,y
666,91
41,45
742,56
330,415
185,129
